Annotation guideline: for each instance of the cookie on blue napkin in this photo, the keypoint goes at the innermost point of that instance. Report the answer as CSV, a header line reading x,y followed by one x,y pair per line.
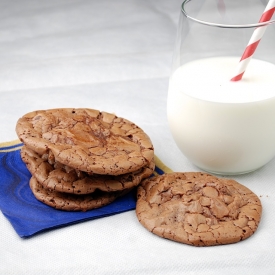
x,y
81,159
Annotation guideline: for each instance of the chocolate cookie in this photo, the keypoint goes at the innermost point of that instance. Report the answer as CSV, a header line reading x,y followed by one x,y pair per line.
x,y
62,178
87,140
198,209
71,202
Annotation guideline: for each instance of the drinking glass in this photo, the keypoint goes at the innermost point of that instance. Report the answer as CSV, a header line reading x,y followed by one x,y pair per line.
x,y
223,126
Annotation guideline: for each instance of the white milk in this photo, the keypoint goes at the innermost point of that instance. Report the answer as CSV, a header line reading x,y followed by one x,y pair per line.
x,y
223,126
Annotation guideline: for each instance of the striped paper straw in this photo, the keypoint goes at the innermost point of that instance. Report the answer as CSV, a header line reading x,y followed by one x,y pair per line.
x,y
254,41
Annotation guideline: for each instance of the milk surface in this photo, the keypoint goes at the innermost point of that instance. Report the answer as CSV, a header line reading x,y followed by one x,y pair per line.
x,y
209,79
223,126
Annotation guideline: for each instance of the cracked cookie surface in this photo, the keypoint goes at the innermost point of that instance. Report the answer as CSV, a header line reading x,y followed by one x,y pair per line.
x,y
61,178
87,140
198,209
71,202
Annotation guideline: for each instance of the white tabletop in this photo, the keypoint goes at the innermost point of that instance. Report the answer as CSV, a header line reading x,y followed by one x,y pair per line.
x,y
113,56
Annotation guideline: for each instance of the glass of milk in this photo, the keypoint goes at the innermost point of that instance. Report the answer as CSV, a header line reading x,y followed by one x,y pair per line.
x,y
222,126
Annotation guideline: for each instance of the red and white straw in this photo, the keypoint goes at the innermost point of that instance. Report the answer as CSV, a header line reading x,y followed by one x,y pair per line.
x,y
254,41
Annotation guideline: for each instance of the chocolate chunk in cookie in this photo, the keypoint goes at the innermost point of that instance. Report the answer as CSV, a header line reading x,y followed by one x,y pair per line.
x,y
87,140
198,209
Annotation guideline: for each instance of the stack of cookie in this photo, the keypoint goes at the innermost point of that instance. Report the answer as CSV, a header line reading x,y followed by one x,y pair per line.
x,y
81,159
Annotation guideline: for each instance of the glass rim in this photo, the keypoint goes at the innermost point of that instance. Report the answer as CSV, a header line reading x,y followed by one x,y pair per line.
x,y
219,25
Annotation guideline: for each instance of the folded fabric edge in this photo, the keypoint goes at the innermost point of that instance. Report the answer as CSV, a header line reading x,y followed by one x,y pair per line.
x,y
30,232
10,146
162,166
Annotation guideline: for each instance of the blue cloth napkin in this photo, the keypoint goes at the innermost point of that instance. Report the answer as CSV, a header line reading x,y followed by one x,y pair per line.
x,y
27,215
